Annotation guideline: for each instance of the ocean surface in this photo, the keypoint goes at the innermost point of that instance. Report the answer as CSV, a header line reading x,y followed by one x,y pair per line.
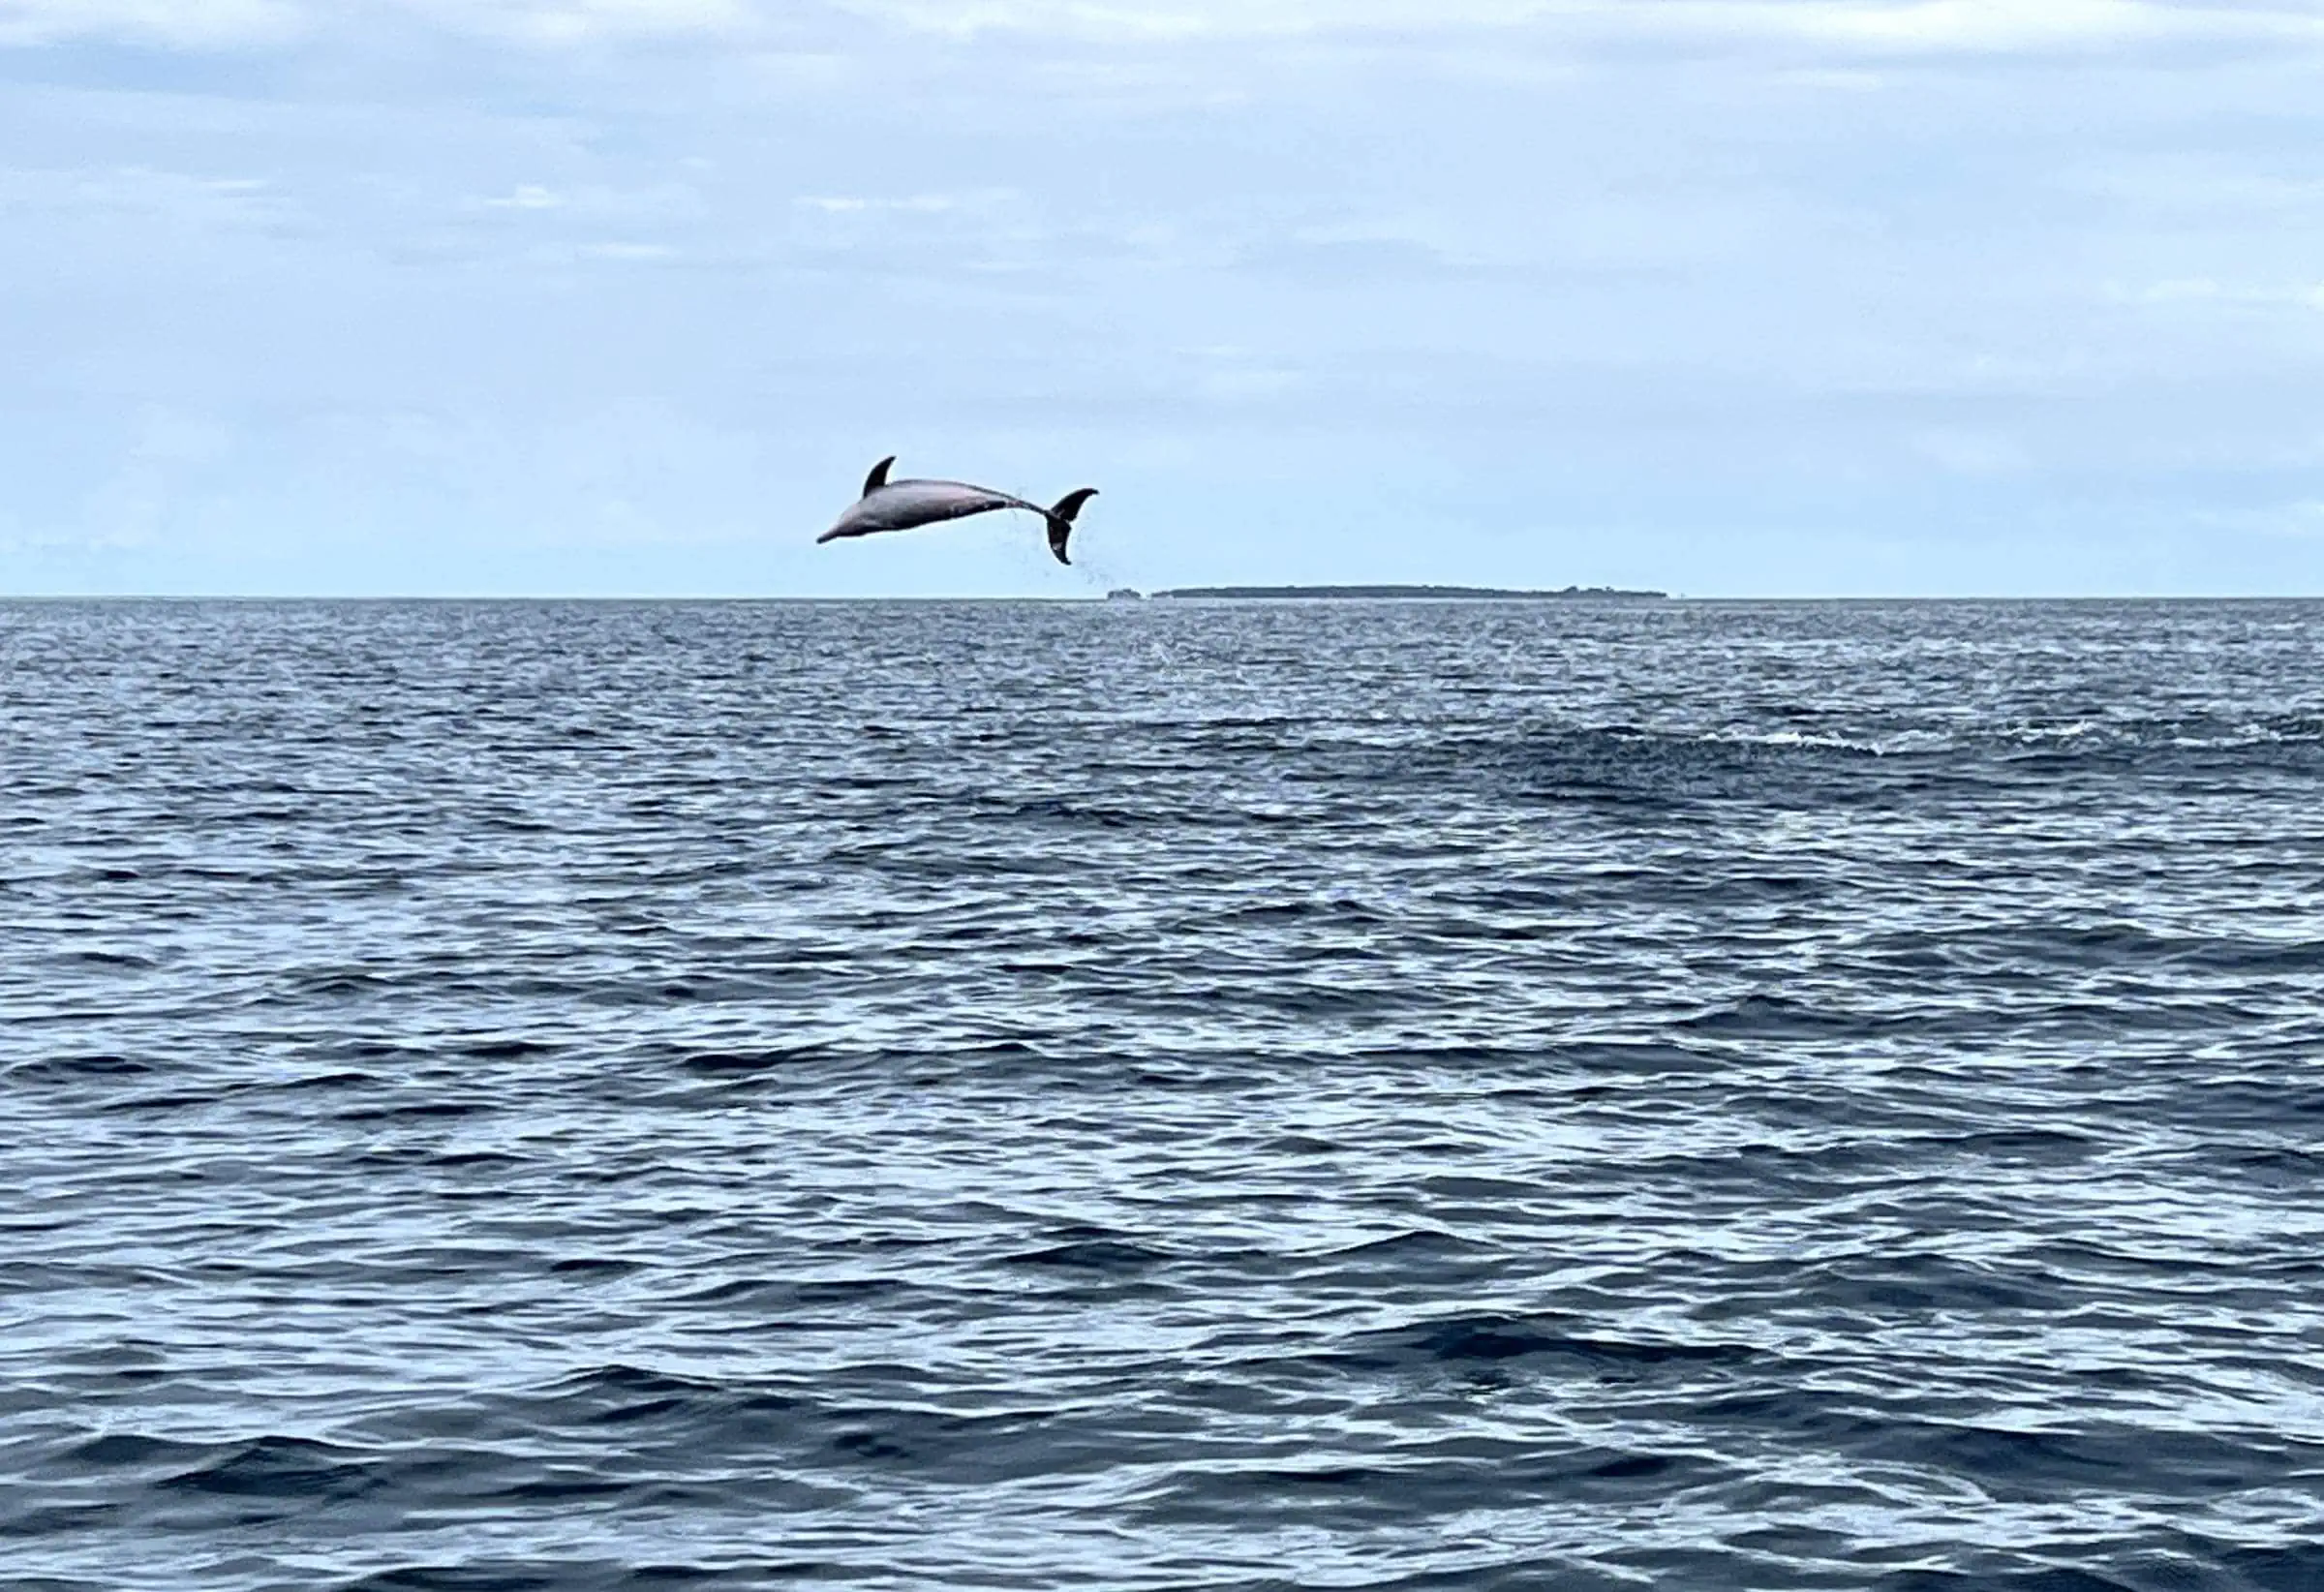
x,y
1118,1095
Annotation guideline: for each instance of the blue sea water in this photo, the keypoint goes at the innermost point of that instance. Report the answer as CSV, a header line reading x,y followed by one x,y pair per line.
x,y
1688,1096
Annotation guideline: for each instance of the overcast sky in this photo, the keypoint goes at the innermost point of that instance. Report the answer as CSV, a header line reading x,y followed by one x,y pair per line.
x,y
1721,296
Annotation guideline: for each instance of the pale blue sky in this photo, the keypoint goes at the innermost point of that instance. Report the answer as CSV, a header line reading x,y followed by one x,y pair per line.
x,y
1724,296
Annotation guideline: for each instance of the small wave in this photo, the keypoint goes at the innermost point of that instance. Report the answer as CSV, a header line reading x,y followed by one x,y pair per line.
x,y
515,1575
1493,1339
1416,1245
595,1266
1627,764
76,1069
745,1064
1095,1249
418,1110
788,1294
512,1048
1764,1016
118,1449
283,1469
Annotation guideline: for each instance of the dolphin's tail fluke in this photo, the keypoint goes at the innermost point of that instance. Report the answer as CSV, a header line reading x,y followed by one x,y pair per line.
x,y
1060,519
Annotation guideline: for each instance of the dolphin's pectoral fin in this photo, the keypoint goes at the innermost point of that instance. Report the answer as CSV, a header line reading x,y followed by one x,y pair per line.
x,y
878,476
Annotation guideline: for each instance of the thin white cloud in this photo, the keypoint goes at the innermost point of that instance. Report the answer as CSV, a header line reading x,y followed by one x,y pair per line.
x,y
555,21
1850,27
185,199
526,196
2302,520
194,25
214,24
628,251
598,205
2210,290
1853,26
1976,26
838,204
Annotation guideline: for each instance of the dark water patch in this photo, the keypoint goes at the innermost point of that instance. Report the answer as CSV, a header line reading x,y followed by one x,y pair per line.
x,y
562,1487
278,1470
2273,1166
779,1295
963,1447
418,1111
506,1049
748,1063
164,1101
1632,766
511,1577
2035,1145
1372,1491
623,1394
1429,1247
1492,1339
595,1266
100,961
2289,1569
2046,1579
1775,1017
1093,1249
585,1575
128,1448
77,1070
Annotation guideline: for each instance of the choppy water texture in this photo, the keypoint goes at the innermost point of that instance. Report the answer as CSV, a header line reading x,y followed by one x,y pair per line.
x,y
1119,1096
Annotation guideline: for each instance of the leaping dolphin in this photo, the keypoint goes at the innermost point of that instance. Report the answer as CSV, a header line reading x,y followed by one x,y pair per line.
x,y
900,506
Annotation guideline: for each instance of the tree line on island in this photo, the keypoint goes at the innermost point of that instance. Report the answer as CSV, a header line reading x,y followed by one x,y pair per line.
x,y
1442,593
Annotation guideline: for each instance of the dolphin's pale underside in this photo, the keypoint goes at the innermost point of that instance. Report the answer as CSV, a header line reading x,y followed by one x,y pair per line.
x,y
901,505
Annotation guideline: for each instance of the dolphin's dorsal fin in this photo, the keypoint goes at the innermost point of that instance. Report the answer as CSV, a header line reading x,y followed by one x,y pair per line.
x,y
878,476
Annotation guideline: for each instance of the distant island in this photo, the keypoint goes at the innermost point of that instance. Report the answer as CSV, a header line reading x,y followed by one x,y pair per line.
x,y
1438,594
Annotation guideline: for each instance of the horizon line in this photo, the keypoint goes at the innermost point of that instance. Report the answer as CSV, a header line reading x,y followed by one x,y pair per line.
x,y
1191,595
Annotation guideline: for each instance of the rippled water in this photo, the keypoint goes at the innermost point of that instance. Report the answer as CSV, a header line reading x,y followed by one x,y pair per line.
x,y
1693,1096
